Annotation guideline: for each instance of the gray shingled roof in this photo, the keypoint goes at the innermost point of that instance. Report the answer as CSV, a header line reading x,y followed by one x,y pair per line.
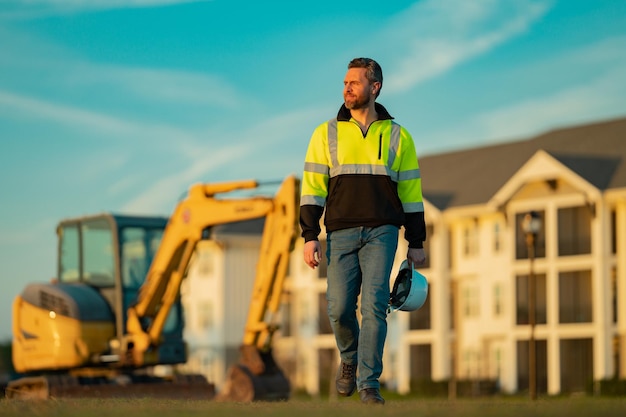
x,y
596,152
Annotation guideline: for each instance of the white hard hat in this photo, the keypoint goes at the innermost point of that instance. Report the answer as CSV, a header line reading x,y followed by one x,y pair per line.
x,y
410,289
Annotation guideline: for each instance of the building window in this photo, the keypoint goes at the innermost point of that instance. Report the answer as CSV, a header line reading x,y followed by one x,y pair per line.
x,y
497,359
497,300
420,357
206,262
322,269
579,352
285,314
471,364
430,230
471,303
575,297
420,319
450,249
497,237
205,315
521,248
616,356
323,322
327,364
574,231
541,358
470,239
452,304
614,294
613,232
522,297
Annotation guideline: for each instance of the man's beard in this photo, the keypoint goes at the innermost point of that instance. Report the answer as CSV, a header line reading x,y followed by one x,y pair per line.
x,y
358,103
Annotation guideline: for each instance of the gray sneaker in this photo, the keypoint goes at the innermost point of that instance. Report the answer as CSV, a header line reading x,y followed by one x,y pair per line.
x,y
346,379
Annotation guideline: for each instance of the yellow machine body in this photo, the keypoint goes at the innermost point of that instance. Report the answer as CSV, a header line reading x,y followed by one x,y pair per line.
x,y
44,340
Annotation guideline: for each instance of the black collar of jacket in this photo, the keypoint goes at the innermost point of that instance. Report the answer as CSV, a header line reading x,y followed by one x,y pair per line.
x,y
344,114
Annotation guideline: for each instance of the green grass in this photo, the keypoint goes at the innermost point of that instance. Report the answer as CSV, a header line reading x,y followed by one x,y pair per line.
x,y
301,407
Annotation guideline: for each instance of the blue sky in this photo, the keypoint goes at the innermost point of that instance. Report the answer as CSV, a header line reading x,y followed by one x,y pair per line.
x,y
111,105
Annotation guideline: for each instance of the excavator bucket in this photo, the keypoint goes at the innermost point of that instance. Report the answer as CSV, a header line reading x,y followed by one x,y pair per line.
x,y
256,378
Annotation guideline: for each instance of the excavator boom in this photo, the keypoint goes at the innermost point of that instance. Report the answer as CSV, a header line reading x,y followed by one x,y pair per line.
x,y
192,216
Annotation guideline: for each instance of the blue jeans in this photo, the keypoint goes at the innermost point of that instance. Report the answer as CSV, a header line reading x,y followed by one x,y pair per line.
x,y
360,261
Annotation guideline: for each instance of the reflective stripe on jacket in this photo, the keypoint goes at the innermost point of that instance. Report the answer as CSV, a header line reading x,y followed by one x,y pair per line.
x,y
362,180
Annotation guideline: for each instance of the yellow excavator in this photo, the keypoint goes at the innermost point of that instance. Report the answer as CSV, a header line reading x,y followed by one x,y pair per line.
x,y
114,312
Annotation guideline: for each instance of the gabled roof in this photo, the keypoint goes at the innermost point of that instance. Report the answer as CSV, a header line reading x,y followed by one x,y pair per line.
x,y
596,152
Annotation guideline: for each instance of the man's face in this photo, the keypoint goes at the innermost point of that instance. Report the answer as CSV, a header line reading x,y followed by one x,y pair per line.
x,y
357,91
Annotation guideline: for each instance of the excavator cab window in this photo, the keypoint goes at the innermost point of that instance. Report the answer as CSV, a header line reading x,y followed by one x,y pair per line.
x,y
98,253
87,253
139,245
69,262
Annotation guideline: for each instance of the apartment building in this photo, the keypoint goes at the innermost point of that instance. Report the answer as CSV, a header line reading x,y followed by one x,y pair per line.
x,y
476,324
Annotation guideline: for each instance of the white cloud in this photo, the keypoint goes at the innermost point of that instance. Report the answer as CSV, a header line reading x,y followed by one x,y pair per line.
x,y
88,120
438,35
601,98
33,107
125,183
164,191
166,86
29,9
92,125
45,61
253,152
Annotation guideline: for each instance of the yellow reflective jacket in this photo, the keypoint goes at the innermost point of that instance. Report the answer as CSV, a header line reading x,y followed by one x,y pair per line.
x,y
362,180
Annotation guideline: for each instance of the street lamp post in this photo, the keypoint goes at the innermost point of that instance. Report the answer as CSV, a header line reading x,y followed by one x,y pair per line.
x,y
531,225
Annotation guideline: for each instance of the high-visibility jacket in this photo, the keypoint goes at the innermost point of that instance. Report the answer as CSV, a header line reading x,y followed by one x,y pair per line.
x,y
362,180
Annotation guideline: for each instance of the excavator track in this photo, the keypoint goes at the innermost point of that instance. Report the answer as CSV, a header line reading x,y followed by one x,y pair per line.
x,y
67,386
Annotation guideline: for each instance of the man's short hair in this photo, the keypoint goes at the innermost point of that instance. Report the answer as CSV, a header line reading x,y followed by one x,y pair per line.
x,y
374,72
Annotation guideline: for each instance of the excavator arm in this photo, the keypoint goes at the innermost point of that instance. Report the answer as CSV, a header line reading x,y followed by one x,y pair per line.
x,y
200,210
276,245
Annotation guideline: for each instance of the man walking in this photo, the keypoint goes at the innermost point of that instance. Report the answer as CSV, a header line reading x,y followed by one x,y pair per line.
x,y
363,169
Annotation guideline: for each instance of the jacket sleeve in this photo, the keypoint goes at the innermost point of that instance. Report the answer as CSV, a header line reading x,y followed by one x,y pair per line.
x,y
314,186
310,216
415,229
410,192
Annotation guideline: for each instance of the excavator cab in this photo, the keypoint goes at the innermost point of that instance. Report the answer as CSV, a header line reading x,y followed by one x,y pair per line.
x,y
103,261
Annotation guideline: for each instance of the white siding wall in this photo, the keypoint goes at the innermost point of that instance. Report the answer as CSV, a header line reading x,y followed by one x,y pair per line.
x,y
227,288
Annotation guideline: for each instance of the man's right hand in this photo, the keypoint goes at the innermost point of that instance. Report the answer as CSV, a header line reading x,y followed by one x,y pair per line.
x,y
416,256
313,253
